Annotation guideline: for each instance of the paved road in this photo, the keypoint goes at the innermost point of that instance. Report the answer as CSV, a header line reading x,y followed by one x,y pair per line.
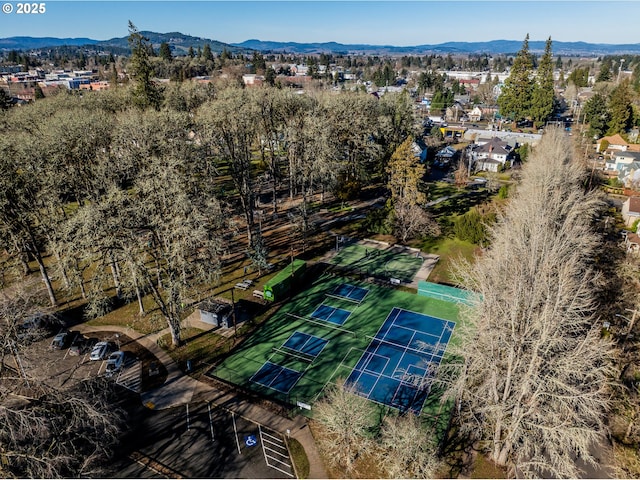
x,y
180,390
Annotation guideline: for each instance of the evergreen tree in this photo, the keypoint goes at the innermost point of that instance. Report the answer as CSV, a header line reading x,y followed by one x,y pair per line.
x,y
542,98
270,76
38,93
191,53
206,53
559,62
579,77
165,52
515,99
621,112
145,93
597,114
5,99
605,74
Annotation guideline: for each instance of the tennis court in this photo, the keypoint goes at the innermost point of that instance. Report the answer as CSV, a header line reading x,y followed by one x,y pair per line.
x,y
277,377
305,344
399,365
350,292
319,337
331,314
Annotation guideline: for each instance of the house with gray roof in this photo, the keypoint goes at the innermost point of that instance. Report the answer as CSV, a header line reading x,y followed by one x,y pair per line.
x,y
492,155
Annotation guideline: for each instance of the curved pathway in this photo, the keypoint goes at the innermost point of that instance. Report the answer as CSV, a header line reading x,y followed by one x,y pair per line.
x,y
180,389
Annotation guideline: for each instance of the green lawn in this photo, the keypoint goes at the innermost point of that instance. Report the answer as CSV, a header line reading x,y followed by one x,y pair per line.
x,y
345,344
449,250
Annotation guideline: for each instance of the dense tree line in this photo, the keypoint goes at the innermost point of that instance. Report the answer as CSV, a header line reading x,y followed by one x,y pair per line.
x,y
128,191
525,96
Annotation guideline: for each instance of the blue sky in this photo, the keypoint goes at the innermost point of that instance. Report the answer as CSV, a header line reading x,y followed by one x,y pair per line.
x,y
380,23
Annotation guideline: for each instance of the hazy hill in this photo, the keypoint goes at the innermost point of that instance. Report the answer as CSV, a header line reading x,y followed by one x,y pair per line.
x,y
29,43
494,46
180,44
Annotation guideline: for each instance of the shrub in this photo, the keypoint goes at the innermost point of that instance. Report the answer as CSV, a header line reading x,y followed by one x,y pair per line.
x,y
472,226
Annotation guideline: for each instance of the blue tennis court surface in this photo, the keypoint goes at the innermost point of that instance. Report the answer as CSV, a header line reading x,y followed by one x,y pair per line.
x,y
331,314
400,363
276,376
305,343
351,292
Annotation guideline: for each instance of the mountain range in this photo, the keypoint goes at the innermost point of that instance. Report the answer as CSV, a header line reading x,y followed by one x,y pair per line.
x,y
180,44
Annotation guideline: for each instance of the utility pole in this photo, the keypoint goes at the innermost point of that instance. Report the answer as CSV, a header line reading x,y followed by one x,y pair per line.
x,y
620,70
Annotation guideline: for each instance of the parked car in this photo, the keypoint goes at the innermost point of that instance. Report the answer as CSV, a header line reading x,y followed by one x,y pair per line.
x,y
33,328
63,340
100,351
114,363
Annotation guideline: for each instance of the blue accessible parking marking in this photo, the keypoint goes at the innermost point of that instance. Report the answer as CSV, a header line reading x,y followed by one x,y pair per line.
x,y
400,363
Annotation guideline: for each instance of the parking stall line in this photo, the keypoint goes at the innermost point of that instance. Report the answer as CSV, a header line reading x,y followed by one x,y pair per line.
x,y
265,436
235,429
213,438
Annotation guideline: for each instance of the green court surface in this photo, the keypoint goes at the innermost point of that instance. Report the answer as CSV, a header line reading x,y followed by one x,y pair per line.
x,y
378,263
298,378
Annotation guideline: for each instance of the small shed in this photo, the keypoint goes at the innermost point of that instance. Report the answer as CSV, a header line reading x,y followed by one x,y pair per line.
x,y
215,313
279,286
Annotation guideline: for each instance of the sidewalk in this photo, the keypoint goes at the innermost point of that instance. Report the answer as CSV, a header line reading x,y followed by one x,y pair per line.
x,y
180,389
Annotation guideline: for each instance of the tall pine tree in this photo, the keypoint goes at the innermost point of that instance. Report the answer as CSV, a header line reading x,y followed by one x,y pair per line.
x,y
515,99
145,92
542,98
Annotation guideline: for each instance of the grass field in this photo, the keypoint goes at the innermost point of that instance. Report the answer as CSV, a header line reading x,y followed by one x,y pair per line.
x,y
378,263
345,343
449,250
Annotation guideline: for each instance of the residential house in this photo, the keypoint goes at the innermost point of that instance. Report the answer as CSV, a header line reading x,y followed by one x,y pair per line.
x,y
632,243
420,150
616,144
475,115
491,155
631,210
445,157
470,85
627,166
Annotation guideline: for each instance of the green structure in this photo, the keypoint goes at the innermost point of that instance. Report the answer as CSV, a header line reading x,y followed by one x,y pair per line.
x,y
280,285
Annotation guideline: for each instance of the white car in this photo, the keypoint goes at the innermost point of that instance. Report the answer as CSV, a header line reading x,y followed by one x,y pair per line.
x,y
114,363
99,351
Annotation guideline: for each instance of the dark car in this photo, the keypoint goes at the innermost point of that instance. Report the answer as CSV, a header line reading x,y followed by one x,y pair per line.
x,y
81,345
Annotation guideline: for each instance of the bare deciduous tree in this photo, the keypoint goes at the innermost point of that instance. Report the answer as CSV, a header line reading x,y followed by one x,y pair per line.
x,y
347,419
535,381
407,449
57,434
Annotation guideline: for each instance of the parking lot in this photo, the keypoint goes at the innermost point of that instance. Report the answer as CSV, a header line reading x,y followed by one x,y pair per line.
x,y
202,441
60,368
